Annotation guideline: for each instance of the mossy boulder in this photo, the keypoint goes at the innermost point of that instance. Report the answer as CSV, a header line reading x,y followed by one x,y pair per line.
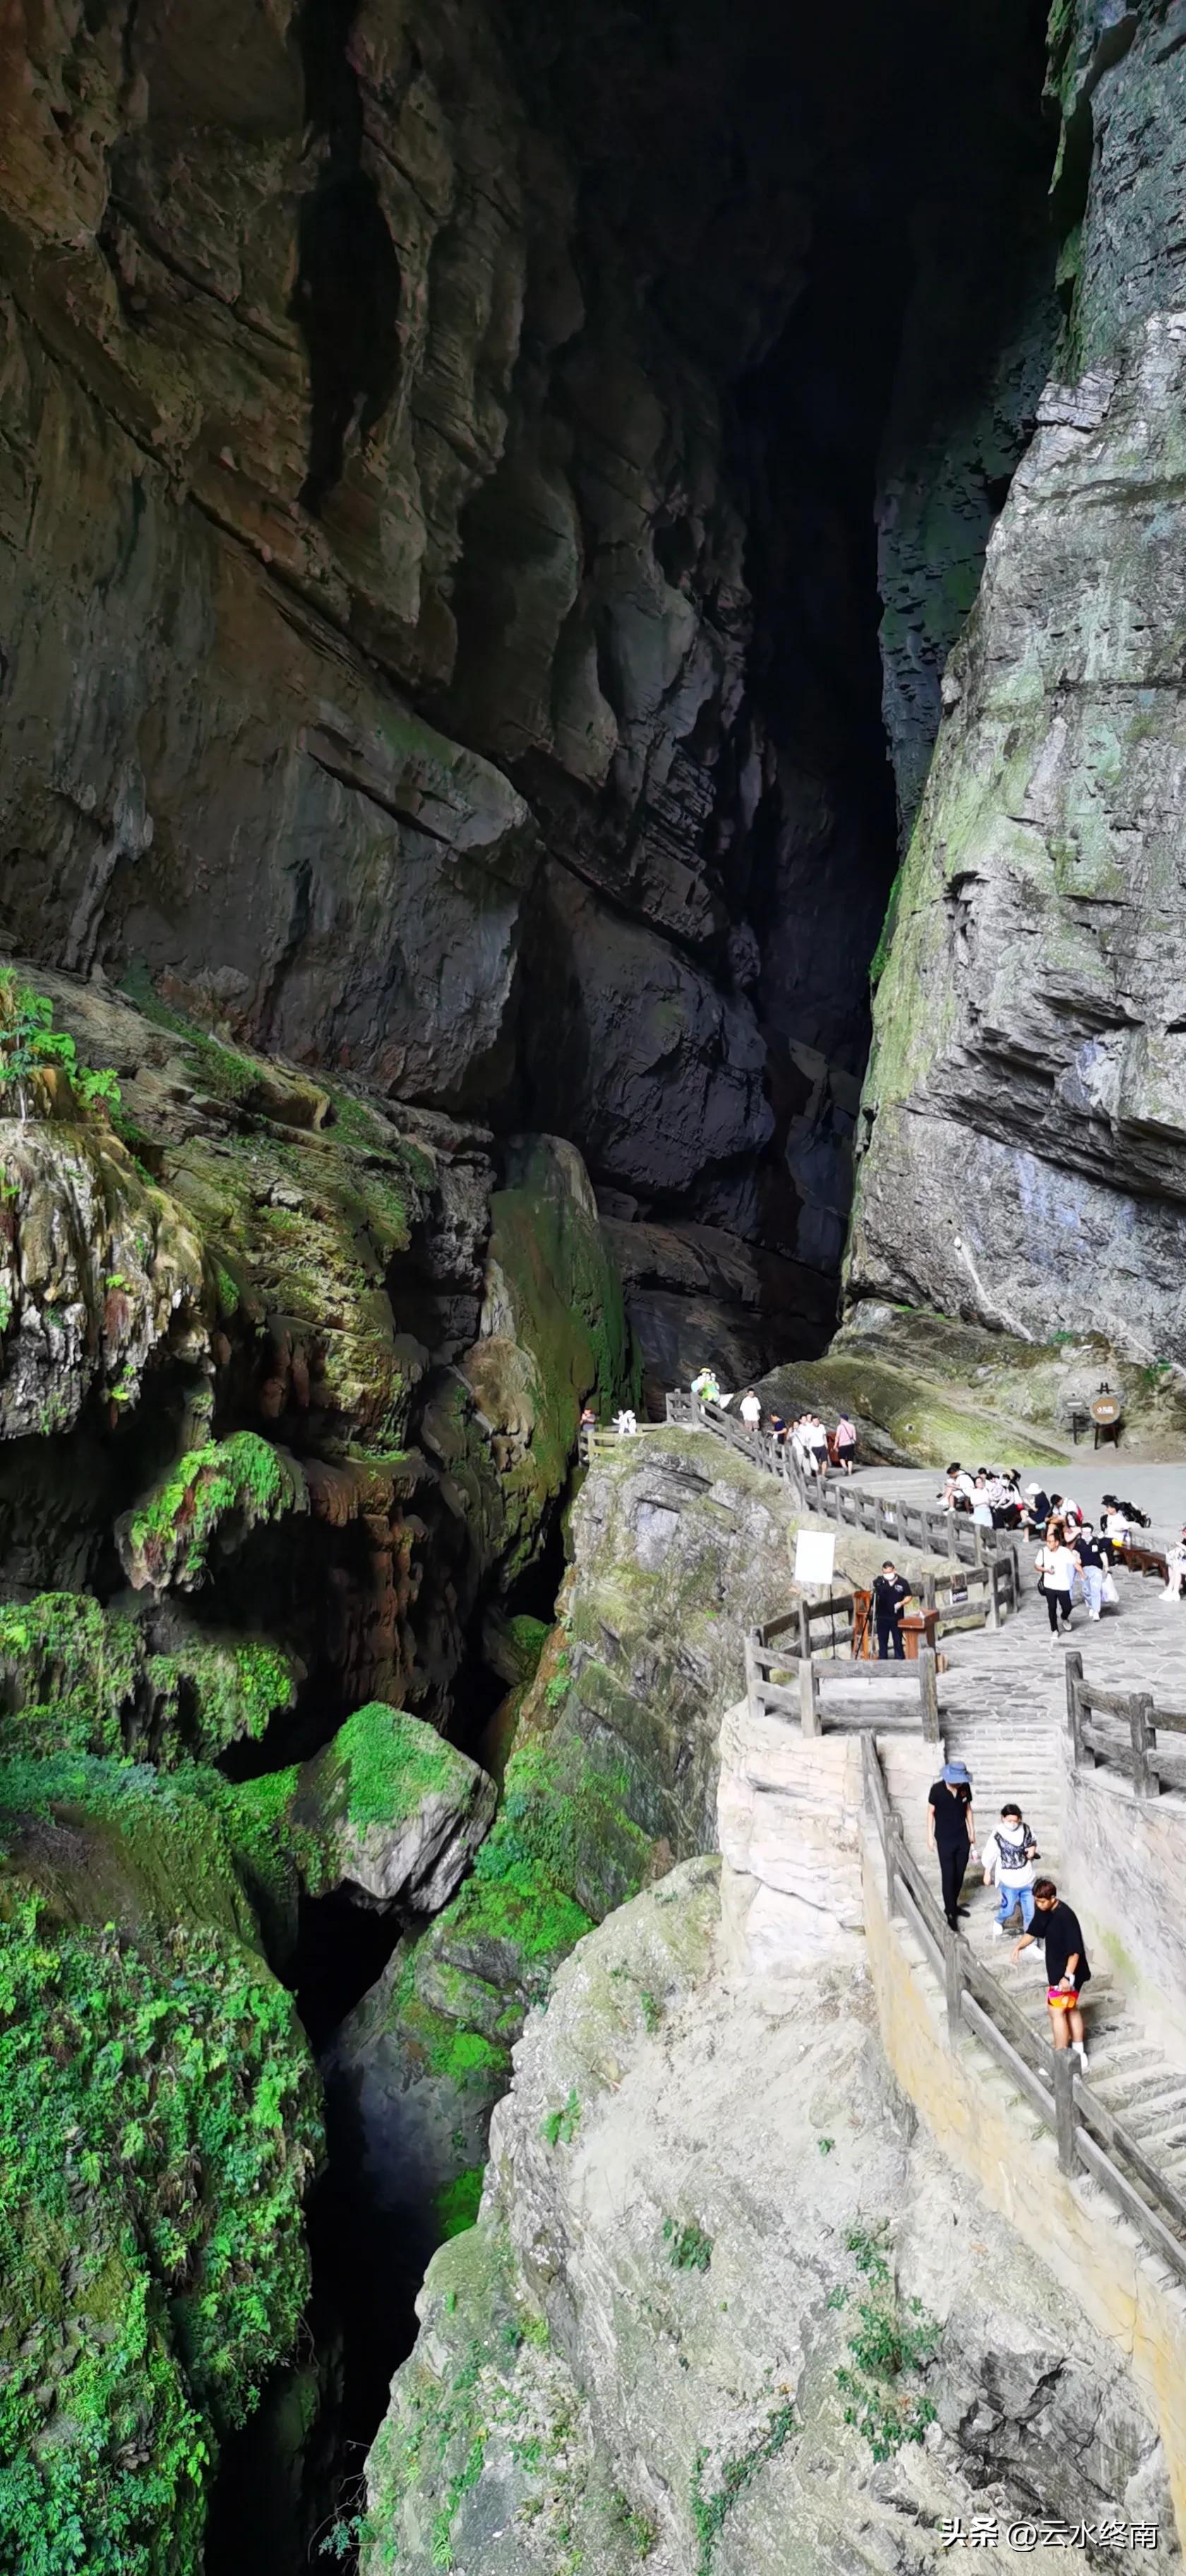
x,y
924,1388
389,1812
159,2123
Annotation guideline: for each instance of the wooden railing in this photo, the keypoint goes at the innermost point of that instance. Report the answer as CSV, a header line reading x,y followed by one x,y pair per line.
x,y
1090,2138
1122,1729
784,1646
951,1534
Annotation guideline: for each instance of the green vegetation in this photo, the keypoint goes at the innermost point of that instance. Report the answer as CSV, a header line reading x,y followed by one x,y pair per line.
x,y
688,2248
157,2127
559,2128
825,2145
710,2510
75,1678
31,1047
458,2202
243,1477
890,2344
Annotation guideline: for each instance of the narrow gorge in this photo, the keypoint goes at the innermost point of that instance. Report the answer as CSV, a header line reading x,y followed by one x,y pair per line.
x,y
593,699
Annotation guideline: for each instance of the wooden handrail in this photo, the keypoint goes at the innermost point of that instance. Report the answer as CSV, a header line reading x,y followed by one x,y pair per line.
x,y
1089,2135
1138,1713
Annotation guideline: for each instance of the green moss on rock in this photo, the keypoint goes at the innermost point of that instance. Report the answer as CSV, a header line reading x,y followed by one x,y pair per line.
x,y
158,2123
76,1678
242,1481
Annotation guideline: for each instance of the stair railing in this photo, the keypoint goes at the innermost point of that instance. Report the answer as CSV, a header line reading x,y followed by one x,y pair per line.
x,y
1089,2137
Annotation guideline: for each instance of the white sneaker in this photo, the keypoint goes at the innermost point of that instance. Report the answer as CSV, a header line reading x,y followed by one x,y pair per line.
x,y
1080,2052
998,1931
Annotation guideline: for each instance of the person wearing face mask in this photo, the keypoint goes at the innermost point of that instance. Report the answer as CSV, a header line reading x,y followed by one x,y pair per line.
x,y
1009,1855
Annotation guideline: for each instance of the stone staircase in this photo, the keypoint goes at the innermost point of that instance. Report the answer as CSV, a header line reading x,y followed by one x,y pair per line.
x,y
1003,1713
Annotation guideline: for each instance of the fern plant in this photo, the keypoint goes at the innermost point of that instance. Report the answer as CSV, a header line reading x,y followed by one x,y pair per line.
x,y
30,1044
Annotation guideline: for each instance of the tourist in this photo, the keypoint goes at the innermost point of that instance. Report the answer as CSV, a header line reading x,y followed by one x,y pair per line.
x,y
1037,1507
1114,1528
1093,1564
890,1592
981,1504
1067,1970
625,1423
1056,1574
778,1429
1175,1571
846,1444
957,1489
1009,1856
817,1441
751,1410
705,1387
951,1832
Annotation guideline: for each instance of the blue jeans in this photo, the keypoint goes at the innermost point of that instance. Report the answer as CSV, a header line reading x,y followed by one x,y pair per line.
x,y
1093,1587
1011,1896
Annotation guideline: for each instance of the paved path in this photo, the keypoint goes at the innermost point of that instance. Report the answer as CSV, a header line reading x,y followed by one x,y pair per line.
x,y
1003,1712
1160,1491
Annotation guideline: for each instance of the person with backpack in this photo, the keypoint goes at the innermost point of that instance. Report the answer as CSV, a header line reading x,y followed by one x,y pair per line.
x,y
1009,1855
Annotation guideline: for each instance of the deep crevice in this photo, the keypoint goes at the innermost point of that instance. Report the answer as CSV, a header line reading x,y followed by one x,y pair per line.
x,y
347,296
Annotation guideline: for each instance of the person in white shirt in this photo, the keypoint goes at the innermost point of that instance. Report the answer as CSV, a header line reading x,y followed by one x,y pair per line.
x,y
750,1409
1056,1572
1009,1855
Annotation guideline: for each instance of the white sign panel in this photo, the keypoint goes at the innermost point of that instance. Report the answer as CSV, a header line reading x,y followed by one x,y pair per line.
x,y
815,1556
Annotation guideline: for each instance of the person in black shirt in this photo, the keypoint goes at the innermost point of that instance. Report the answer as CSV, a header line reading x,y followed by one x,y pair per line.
x,y
889,1594
951,1831
1067,1969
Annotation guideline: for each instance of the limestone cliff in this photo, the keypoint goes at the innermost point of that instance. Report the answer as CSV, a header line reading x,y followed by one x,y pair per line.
x,y
1024,1113
707,2210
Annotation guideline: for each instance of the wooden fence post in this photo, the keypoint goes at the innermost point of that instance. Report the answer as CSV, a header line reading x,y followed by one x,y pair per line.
x,y
928,1688
804,1630
994,1598
1064,2108
897,1844
808,1696
1145,1780
1074,1673
928,1593
953,1979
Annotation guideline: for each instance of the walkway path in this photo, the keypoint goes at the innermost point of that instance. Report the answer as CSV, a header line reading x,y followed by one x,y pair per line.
x,y
1003,1713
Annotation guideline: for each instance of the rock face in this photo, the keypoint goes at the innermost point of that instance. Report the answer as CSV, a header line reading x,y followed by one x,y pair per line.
x,y
700,2194
1025,1106
431,572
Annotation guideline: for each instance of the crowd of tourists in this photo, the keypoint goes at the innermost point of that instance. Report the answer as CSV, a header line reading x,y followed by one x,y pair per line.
x,y
814,1448
1008,1861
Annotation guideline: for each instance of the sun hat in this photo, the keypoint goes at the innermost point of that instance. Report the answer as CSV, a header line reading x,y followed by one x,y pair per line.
x,y
1033,1489
957,1775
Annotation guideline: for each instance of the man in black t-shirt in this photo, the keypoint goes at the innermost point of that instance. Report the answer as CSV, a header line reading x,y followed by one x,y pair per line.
x,y
951,1827
1067,1969
889,1595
